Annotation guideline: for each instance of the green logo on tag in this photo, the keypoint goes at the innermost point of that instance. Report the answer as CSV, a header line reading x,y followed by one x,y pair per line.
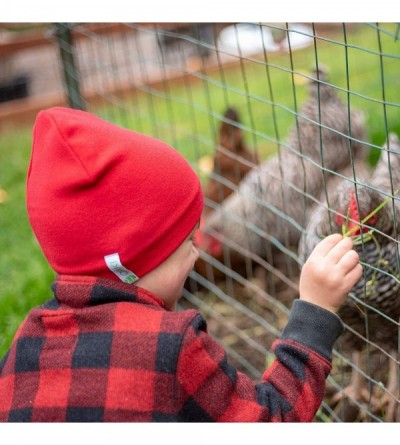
x,y
114,264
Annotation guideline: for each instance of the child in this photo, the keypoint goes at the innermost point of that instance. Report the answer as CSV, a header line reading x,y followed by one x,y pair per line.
x,y
115,213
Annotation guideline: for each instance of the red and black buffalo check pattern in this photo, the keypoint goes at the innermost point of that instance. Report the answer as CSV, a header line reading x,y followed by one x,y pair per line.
x,y
104,351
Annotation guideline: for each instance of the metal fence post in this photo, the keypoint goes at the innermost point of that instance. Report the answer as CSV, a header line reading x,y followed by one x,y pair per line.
x,y
71,77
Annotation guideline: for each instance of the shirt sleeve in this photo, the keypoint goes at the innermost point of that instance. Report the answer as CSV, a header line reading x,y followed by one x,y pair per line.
x,y
292,388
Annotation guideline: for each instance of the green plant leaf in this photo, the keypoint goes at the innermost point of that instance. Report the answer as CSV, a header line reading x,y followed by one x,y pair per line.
x,y
370,215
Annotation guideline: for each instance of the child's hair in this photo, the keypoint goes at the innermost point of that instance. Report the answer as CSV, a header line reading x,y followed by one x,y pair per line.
x,y
106,201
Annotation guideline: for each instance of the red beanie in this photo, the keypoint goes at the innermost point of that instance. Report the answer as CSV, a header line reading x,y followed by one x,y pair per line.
x,y
95,190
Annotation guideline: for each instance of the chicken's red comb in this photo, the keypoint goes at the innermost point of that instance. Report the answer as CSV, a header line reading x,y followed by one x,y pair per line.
x,y
354,215
207,242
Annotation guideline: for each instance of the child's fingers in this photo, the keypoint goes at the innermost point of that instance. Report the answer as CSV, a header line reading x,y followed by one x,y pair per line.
x,y
340,249
349,260
354,275
326,245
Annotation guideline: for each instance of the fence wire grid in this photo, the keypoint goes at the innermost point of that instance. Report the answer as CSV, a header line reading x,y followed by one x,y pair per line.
x,y
282,122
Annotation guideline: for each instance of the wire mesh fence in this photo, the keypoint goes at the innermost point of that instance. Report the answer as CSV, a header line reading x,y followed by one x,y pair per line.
x,y
292,129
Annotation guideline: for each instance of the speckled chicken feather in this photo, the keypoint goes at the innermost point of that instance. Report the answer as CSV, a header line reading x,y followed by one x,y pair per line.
x,y
379,286
273,198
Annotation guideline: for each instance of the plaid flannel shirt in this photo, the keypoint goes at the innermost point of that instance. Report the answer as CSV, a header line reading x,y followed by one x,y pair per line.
x,y
103,350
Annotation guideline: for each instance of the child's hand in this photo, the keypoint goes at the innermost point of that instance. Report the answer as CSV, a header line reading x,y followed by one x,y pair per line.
x,y
330,272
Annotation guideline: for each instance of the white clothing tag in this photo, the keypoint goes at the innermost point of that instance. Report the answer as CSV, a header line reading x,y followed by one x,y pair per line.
x,y
114,264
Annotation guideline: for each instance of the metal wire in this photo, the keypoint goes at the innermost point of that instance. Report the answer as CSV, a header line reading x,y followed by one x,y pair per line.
x,y
175,83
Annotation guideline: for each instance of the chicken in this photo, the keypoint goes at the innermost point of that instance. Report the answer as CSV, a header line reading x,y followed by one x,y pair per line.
x,y
372,312
232,160
271,203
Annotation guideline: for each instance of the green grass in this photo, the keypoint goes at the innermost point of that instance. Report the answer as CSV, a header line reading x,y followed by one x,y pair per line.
x,y
24,273
187,117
